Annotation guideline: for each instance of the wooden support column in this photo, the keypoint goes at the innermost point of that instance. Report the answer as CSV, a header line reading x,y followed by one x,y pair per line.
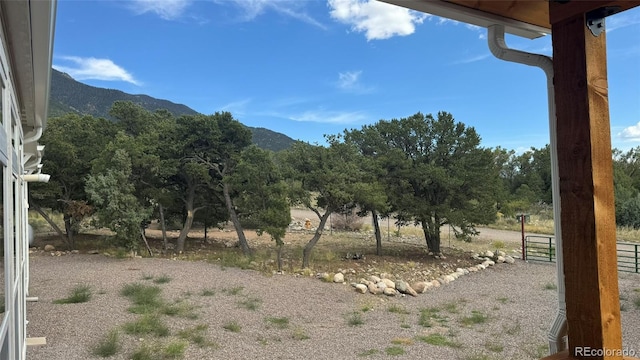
x,y
586,187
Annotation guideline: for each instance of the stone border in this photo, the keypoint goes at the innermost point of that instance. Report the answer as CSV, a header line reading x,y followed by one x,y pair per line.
x,y
381,284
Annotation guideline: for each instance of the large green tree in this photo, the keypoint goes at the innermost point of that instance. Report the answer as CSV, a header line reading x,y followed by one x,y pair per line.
x,y
372,197
71,144
323,179
437,174
118,209
220,153
260,195
192,182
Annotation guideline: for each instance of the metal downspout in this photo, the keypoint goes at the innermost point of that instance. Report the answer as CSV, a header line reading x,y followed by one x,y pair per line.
x,y
500,50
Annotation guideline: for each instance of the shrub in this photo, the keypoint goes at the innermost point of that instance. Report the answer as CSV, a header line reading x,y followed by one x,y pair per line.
x,y
108,346
79,294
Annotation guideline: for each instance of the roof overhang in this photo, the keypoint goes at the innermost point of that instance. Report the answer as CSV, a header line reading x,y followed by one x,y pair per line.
x,y
29,30
526,18
485,13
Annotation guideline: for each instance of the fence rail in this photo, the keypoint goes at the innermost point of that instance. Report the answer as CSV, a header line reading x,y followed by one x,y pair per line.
x,y
543,248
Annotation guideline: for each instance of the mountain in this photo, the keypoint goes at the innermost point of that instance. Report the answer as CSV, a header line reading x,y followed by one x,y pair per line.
x,y
68,95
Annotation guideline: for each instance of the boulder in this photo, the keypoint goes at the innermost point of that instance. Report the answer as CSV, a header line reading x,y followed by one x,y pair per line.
x,y
374,279
374,289
405,288
435,283
488,253
361,288
338,278
49,247
420,287
389,292
509,260
500,259
389,283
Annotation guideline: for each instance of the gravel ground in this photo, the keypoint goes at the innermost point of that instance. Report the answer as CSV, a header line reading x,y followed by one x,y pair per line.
x,y
513,297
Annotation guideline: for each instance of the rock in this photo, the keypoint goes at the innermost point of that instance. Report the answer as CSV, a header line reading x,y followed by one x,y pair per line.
x,y
449,278
384,276
501,253
338,278
361,288
389,283
473,269
490,262
509,260
389,292
488,254
481,266
405,288
435,283
500,259
460,271
454,275
375,290
49,247
374,279
75,251
420,287
365,282
381,285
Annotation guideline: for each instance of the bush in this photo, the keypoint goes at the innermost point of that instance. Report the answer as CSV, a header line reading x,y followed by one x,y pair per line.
x,y
79,294
628,213
346,222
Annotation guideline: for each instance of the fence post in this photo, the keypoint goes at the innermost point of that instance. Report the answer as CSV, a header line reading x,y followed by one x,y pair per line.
x,y
637,266
550,253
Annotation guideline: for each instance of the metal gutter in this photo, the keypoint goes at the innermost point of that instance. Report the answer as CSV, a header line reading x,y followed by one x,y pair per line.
x,y
500,50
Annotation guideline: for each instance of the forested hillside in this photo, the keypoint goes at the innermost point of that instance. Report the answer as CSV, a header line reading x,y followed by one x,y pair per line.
x,y
71,96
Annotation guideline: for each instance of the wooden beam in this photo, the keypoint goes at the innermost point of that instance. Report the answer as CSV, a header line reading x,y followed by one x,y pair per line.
x,y
586,187
561,11
531,12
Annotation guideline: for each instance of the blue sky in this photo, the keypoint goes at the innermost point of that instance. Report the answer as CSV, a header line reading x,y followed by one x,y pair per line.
x,y
308,68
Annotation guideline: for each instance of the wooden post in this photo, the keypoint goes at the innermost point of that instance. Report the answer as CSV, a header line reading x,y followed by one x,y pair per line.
x,y
586,187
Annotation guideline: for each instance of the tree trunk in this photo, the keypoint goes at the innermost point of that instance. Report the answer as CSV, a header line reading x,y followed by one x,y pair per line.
x,y
244,245
69,229
46,217
376,226
163,227
188,222
279,256
431,231
146,243
306,252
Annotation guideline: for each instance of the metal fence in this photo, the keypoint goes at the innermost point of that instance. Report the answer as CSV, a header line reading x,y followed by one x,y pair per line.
x,y
543,248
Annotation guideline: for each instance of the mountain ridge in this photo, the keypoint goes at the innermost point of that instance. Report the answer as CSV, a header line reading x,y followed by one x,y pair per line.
x,y
68,95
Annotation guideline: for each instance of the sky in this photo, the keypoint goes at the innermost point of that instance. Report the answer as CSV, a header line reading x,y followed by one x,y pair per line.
x,y
315,67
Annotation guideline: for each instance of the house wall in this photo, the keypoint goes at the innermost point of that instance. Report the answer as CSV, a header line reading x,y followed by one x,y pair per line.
x,y
26,47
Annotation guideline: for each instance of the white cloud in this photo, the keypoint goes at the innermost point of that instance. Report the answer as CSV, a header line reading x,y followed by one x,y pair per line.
x,y
251,9
166,9
631,133
350,81
97,69
376,19
473,59
330,117
236,107
621,20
